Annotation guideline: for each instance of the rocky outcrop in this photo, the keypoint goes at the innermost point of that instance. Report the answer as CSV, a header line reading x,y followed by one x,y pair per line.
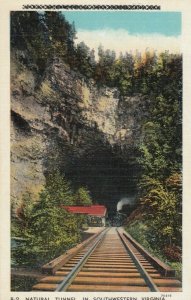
x,y
61,119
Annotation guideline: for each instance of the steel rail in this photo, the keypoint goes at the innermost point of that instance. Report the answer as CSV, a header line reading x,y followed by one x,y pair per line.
x,y
152,286
68,279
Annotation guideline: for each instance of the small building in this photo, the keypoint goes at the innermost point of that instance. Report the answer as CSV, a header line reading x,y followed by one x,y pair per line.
x,y
96,213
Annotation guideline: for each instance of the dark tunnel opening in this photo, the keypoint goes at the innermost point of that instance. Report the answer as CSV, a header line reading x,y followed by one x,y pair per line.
x,y
108,171
108,175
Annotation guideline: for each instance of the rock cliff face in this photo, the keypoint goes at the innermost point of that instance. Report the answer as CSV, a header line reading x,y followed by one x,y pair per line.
x,y
62,121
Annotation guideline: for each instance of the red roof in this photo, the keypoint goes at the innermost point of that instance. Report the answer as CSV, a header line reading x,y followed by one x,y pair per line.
x,y
93,210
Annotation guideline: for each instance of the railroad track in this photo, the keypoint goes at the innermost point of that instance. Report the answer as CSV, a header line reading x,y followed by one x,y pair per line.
x,y
112,261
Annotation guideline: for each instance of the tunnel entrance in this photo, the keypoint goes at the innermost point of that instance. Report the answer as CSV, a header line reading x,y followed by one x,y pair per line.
x,y
108,172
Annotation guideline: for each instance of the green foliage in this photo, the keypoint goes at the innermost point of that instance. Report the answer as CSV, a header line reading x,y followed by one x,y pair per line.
x,y
82,197
50,232
160,154
140,231
46,36
162,206
174,183
104,70
160,151
82,221
177,266
46,228
57,190
22,283
148,183
60,34
84,60
42,36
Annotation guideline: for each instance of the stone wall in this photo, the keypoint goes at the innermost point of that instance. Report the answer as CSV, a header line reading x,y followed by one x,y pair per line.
x,y
61,117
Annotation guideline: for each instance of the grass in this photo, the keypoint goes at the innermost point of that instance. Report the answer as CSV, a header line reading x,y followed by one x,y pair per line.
x,y
22,284
139,230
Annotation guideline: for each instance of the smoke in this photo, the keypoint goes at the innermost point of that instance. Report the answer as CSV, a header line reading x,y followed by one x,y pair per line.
x,y
125,200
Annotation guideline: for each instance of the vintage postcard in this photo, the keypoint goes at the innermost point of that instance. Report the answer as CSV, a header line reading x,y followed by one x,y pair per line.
x,y
95,150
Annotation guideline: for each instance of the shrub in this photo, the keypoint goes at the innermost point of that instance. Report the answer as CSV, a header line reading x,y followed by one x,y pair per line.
x,y
82,197
46,229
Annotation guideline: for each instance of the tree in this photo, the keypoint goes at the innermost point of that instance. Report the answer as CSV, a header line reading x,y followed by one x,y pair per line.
x,y
61,34
57,189
162,209
152,156
28,35
47,229
82,197
42,37
104,68
84,60
123,70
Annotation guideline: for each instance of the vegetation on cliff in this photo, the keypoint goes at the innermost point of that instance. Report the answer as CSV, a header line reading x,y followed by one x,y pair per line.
x,y
44,36
37,38
159,156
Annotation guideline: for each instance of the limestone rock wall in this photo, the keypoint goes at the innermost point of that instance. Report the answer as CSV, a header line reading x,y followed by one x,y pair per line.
x,y
65,108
